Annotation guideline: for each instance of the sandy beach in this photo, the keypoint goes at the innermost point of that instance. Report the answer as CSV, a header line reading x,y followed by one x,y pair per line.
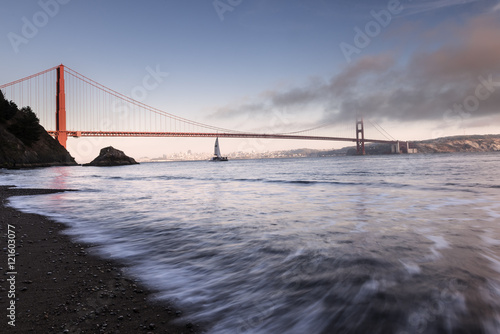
x,y
60,286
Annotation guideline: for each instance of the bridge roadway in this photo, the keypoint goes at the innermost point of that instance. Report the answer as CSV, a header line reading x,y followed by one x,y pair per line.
x,y
77,134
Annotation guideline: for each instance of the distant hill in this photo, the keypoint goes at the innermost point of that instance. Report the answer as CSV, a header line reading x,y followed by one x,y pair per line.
x,y
475,143
486,143
24,143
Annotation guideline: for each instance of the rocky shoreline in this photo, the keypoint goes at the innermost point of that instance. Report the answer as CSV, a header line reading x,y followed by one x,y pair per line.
x,y
61,287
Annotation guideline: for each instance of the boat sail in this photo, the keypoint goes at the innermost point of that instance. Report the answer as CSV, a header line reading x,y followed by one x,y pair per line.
x,y
217,156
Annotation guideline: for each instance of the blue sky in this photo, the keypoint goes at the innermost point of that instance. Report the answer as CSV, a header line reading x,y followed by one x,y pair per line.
x,y
273,64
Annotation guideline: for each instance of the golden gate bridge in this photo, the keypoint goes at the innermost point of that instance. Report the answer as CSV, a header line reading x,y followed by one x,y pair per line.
x,y
70,104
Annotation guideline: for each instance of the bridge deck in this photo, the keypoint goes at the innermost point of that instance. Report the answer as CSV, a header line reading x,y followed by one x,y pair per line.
x,y
210,134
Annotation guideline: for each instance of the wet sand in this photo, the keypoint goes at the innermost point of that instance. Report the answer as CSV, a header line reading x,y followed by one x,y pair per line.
x,y
61,287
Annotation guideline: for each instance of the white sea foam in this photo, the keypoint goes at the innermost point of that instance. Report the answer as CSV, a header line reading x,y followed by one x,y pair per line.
x,y
411,267
232,248
495,261
369,288
490,241
439,241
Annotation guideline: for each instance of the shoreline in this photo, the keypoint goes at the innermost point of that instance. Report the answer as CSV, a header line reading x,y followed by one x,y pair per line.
x,y
61,287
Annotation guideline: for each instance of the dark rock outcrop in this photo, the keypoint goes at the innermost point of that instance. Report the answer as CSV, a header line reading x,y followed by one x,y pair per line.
x,y
24,143
109,156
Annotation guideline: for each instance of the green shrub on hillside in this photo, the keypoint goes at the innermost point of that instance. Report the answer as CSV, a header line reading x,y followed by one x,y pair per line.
x,y
7,108
27,128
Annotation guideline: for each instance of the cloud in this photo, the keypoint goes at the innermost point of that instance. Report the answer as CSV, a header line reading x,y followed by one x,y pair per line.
x,y
432,84
478,50
350,77
316,92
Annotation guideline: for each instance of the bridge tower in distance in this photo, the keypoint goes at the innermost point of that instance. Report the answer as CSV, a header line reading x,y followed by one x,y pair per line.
x,y
360,136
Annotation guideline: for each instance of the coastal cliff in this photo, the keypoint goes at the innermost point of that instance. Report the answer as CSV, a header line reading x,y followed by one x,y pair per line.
x,y
486,143
454,144
24,143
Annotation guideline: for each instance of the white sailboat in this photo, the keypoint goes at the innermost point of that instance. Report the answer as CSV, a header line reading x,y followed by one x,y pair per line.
x,y
217,156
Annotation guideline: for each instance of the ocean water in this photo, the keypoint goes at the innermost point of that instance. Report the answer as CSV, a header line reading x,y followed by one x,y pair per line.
x,y
383,244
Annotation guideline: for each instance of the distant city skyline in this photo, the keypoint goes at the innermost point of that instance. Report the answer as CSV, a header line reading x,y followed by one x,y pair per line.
x,y
421,69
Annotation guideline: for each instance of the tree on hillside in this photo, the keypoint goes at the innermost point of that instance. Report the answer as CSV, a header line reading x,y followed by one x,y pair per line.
x,y
7,108
27,128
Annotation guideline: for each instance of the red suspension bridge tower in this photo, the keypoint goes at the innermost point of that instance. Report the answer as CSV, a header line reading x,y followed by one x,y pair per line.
x,y
61,134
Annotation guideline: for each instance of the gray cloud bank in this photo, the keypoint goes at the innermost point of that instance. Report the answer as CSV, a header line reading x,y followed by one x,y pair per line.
x,y
460,77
